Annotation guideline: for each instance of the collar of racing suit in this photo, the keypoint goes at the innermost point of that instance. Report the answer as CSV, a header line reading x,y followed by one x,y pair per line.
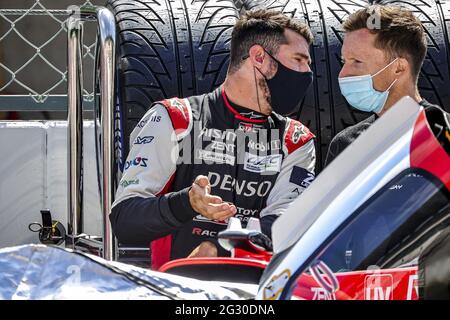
x,y
243,113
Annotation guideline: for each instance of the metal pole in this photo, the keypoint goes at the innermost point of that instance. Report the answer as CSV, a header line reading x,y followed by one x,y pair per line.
x,y
107,32
75,130
106,47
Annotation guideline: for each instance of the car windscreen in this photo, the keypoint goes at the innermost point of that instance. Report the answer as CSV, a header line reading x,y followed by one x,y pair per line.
x,y
388,224
391,229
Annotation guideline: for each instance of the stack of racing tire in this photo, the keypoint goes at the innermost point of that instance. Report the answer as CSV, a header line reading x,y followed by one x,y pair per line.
x,y
181,48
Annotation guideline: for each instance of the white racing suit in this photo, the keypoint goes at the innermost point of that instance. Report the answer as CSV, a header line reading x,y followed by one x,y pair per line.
x,y
258,163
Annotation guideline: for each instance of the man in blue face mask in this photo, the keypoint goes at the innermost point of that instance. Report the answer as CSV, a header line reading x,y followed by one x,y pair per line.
x,y
381,64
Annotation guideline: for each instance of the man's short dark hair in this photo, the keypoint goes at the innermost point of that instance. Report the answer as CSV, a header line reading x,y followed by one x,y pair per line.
x,y
398,32
265,28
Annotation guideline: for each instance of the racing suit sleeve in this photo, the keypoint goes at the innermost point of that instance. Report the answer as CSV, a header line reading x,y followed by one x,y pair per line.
x,y
143,211
297,173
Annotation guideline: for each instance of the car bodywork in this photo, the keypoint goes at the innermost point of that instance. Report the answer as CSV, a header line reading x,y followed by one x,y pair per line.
x,y
399,144
47,272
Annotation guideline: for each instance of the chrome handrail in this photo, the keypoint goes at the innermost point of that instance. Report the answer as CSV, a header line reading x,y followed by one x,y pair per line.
x,y
75,128
106,45
107,31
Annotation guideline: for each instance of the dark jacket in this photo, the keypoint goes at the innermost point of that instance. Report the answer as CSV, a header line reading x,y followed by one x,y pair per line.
x,y
344,138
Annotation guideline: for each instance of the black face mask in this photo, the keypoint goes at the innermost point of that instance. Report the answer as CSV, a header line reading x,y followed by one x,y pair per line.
x,y
287,88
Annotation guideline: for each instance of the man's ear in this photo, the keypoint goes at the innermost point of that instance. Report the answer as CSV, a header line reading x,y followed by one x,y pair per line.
x,y
402,66
256,55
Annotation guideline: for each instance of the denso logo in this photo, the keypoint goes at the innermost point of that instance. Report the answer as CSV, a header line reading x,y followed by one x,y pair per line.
x,y
137,162
246,188
144,140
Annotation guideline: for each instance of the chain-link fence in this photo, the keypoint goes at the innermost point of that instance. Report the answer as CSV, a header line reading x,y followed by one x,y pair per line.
x,y
33,54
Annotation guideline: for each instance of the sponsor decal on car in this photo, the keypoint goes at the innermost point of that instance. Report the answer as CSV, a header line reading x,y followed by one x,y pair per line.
x,y
413,287
378,287
382,284
276,285
320,293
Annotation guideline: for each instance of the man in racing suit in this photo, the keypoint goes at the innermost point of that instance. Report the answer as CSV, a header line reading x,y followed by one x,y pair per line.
x,y
197,161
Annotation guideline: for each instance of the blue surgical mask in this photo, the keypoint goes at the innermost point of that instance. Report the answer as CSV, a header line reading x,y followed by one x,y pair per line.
x,y
360,93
